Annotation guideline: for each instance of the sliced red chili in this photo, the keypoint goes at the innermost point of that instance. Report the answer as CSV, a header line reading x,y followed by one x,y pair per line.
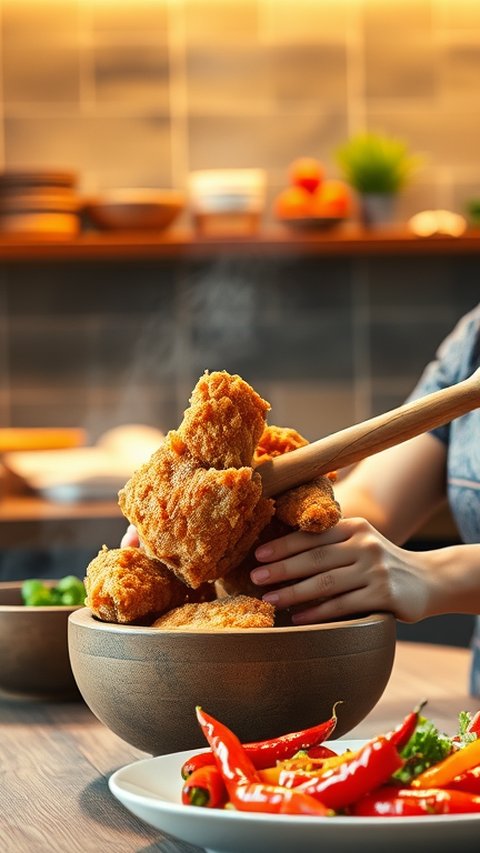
x,y
390,801
371,766
257,797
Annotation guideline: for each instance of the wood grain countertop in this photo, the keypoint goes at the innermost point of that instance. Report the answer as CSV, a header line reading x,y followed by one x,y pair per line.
x,y
56,758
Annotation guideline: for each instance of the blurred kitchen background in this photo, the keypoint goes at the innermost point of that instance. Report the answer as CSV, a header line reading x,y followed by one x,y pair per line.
x,y
140,94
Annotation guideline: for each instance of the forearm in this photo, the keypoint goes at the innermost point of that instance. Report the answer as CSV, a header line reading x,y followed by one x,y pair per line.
x,y
454,580
398,489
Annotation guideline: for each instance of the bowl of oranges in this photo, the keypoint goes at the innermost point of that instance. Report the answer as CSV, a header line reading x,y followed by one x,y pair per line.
x,y
311,200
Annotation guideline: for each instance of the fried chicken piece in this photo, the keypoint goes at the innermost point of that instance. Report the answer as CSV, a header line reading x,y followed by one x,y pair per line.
x,y
311,507
237,581
224,422
124,585
238,611
198,521
201,521
275,441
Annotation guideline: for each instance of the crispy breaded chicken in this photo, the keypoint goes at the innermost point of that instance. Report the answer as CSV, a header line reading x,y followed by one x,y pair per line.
x,y
224,422
311,507
199,516
125,585
238,611
275,441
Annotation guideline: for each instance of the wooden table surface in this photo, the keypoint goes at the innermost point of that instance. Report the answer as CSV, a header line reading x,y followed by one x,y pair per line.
x,y
56,758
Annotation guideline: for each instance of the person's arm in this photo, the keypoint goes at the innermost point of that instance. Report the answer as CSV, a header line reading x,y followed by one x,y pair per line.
x,y
353,568
398,489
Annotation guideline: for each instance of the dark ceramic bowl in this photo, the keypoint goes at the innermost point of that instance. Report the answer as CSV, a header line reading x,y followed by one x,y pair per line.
x,y
33,647
144,683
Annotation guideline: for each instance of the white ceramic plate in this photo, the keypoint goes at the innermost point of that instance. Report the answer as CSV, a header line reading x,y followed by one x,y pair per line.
x,y
151,790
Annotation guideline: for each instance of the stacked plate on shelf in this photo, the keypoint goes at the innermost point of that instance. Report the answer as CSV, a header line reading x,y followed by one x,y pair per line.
x,y
39,203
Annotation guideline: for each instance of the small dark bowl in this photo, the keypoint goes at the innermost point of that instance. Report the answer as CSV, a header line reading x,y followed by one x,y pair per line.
x,y
34,657
144,683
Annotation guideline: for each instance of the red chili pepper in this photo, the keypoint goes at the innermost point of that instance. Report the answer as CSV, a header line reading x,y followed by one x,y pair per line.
x,y
468,781
257,797
201,759
372,765
232,760
321,752
265,753
402,734
390,801
245,789
205,787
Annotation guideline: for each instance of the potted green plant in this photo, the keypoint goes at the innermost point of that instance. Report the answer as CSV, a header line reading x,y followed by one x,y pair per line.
x,y
377,167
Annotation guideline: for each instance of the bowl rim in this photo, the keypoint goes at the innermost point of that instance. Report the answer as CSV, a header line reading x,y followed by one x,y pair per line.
x,y
29,608
84,618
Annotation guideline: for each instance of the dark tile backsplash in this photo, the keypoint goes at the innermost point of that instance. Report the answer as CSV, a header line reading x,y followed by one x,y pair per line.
x,y
142,92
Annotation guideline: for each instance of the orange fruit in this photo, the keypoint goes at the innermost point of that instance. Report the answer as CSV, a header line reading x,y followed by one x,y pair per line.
x,y
293,202
333,198
306,172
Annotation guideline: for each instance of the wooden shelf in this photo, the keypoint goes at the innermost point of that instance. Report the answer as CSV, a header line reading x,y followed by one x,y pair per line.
x,y
347,240
31,522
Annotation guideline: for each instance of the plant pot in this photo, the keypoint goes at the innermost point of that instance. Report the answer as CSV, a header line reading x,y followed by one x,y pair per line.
x,y
377,209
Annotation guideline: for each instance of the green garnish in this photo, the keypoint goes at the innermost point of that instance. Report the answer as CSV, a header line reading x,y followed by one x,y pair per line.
x,y
427,746
463,735
68,592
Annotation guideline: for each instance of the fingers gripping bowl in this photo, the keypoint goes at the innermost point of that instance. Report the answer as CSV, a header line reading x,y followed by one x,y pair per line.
x,y
144,683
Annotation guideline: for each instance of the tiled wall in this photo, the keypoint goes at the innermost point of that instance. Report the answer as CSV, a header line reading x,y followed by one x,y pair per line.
x,y
138,92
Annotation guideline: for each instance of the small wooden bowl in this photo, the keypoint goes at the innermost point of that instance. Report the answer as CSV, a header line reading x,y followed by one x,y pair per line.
x,y
144,683
135,210
33,647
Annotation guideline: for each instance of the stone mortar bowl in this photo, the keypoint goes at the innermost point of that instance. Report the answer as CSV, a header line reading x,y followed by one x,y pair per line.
x,y
144,683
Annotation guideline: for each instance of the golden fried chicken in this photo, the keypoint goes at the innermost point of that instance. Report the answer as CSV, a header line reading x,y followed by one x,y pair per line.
x,y
311,507
239,611
125,585
193,508
275,441
225,420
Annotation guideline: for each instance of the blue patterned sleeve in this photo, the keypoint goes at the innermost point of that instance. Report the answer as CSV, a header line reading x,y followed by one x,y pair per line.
x,y
456,358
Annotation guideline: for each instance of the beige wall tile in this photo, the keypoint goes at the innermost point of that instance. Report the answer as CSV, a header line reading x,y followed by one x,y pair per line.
x,y
220,21
41,73
136,74
127,16
306,21
38,20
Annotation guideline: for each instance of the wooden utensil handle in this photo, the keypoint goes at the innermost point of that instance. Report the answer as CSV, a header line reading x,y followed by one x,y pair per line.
x,y
364,439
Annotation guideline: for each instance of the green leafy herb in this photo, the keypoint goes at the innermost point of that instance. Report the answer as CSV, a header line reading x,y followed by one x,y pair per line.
x,y
427,746
464,721
68,592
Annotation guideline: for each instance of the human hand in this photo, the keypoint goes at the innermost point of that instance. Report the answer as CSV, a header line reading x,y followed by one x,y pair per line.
x,y
349,569
130,538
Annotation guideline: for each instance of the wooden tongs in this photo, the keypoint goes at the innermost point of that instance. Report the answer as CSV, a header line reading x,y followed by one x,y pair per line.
x,y
368,437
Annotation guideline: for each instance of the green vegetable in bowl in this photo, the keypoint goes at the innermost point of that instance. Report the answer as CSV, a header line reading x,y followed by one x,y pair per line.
x,y
68,592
